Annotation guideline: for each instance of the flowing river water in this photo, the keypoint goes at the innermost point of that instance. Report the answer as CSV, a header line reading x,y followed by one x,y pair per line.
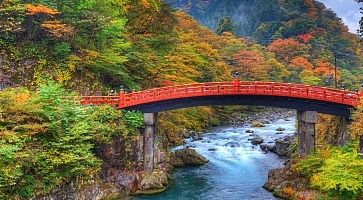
x,y
233,173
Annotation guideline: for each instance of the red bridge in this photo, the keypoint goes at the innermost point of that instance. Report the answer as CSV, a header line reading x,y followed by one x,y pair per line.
x,y
307,100
285,95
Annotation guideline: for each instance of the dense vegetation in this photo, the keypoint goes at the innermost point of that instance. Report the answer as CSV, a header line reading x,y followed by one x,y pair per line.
x,y
93,47
305,36
48,138
335,171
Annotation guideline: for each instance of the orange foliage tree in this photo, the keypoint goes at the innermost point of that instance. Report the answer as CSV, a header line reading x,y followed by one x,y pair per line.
x,y
301,63
325,69
250,64
286,49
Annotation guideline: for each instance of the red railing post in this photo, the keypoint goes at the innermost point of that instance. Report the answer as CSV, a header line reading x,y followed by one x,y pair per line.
x,y
121,100
236,83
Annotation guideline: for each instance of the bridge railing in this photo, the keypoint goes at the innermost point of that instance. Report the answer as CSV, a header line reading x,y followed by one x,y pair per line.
x,y
227,88
101,100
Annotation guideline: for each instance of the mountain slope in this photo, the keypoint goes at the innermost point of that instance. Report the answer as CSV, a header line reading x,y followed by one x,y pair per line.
x,y
306,21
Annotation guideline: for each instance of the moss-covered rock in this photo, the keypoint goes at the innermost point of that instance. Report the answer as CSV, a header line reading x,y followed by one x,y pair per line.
x,y
153,183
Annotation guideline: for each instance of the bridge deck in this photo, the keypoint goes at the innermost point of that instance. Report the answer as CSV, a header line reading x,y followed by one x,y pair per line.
x,y
300,91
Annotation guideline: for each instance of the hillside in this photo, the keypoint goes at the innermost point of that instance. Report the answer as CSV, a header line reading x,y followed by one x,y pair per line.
x,y
307,21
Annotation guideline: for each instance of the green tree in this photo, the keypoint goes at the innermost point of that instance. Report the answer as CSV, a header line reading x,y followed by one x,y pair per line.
x,y
361,20
225,24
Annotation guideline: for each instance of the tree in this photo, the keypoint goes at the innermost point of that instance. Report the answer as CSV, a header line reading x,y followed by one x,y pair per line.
x,y
301,63
251,65
308,77
361,20
287,49
225,24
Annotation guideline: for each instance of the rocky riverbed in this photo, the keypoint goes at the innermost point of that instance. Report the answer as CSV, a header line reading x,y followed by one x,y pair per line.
x,y
237,159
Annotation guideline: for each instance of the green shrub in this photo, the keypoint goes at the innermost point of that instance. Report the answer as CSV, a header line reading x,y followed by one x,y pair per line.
x,y
62,50
133,119
337,171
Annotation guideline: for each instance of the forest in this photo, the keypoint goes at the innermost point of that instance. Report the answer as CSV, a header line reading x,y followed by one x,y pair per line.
x,y
51,49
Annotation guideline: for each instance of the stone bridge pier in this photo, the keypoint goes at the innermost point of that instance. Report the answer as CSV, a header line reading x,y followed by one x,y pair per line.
x,y
306,132
149,135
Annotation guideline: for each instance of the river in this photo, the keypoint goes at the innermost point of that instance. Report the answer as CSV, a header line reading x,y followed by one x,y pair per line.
x,y
232,172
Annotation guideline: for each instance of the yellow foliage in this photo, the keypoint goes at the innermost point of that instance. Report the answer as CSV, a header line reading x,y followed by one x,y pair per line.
x,y
155,4
326,129
356,127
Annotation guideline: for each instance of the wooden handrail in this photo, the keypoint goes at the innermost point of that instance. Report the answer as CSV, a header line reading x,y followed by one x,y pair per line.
x,y
125,100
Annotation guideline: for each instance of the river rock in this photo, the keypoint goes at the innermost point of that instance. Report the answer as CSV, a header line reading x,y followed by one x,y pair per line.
x,y
271,148
257,124
232,144
268,147
283,146
280,129
197,137
263,147
212,149
279,133
250,131
187,157
256,140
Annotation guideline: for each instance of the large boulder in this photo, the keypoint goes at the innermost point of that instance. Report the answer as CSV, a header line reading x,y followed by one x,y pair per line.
x,y
287,183
257,140
187,157
283,146
153,183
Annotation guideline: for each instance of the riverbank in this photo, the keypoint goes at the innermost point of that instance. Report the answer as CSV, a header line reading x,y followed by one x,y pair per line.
x,y
122,170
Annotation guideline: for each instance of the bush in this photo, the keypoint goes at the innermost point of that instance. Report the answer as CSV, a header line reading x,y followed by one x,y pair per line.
x,y
338,171
133,119
62,50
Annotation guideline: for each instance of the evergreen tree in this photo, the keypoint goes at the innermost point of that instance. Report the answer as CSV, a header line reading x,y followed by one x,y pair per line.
x,y
361,21
225,24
